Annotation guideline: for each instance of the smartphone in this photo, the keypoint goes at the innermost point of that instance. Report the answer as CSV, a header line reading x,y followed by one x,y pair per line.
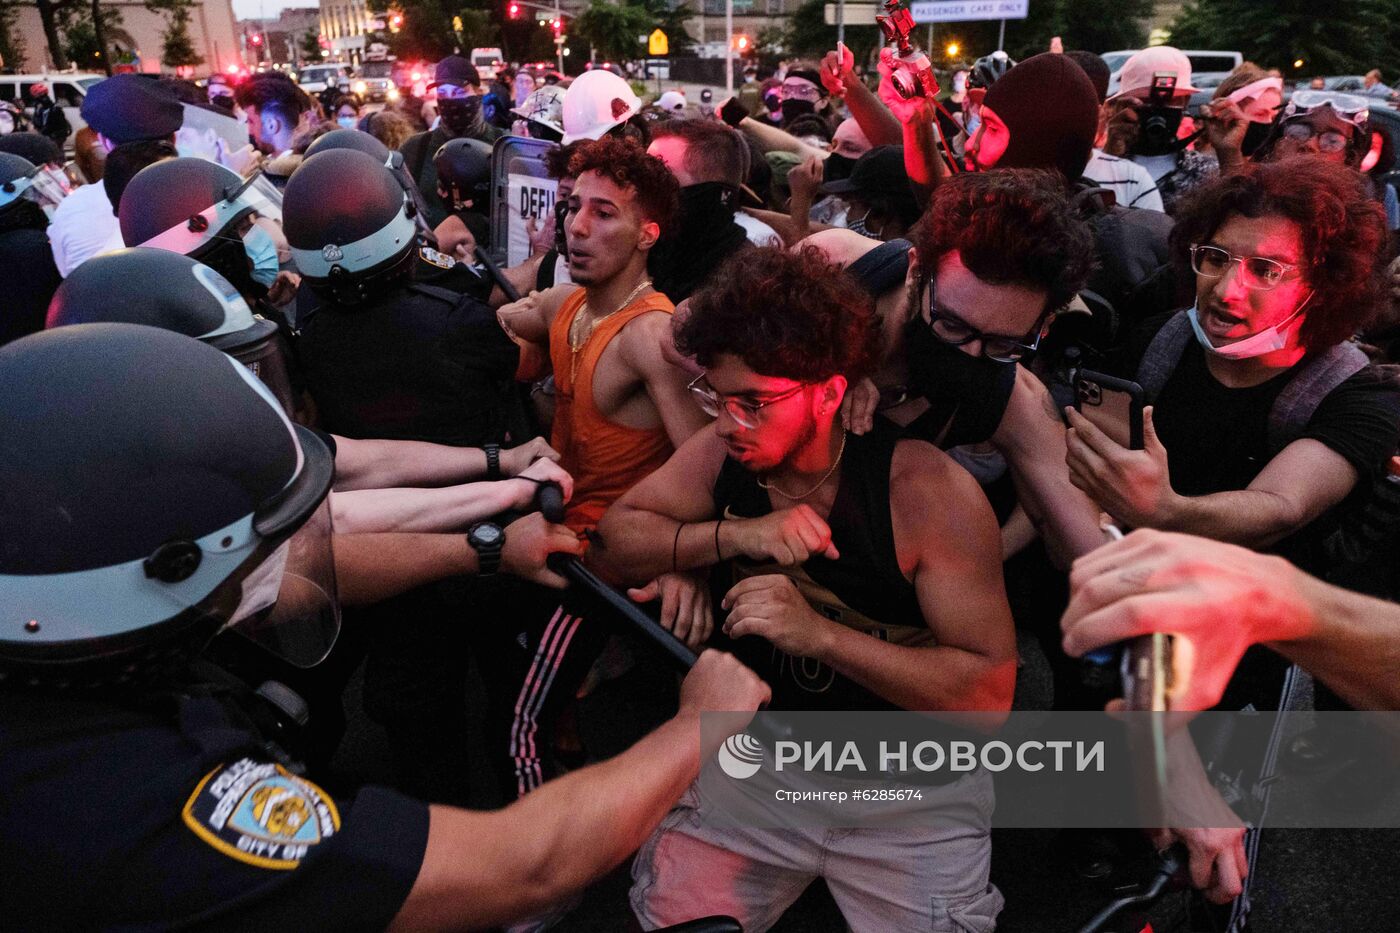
x,y
1112,405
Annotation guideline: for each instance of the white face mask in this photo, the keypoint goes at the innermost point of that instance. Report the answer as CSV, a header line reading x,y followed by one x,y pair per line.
x,y
1268,340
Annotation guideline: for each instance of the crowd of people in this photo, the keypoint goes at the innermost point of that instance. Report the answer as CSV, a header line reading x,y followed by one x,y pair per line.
x,y
808,367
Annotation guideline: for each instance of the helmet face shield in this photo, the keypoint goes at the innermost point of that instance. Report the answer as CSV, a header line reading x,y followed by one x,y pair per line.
x,y
254,196
289,605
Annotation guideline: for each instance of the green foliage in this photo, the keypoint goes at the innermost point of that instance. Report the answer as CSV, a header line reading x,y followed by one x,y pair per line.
x,y
613,28
177,48
12,46
1349,36
427,29
310,45
478,30
79,37
809,36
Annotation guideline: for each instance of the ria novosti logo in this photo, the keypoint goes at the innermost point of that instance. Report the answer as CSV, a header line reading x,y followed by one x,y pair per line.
x,y
740,756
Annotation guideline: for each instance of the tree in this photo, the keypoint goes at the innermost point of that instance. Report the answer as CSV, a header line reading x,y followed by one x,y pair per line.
x,y
177,49
1350,36
809,35
426,31
12,47
51,16
81,41
310,45
612,28
478,31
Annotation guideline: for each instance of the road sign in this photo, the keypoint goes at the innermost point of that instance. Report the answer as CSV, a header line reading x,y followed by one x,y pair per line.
x,y
857,14
962,11
657,44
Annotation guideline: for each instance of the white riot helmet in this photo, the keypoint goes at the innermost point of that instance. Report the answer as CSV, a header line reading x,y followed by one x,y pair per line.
x,y
596,102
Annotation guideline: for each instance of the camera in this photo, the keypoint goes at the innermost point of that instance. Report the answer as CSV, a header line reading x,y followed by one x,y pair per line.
x,y
913,74
1158,120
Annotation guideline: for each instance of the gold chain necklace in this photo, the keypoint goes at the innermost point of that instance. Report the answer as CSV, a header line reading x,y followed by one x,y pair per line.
x,y
820,483
576,345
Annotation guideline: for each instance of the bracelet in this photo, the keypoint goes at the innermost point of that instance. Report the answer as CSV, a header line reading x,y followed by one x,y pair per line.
x,y
719,558
675,547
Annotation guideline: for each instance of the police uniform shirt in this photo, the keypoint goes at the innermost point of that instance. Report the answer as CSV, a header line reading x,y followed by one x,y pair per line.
x,y
126,818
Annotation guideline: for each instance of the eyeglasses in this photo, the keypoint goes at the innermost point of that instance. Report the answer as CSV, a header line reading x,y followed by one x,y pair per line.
x,y
1327,140
803,91
746,414
1255,271
956,332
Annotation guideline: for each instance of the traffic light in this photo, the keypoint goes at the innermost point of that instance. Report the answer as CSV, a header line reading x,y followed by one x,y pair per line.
x,y
557,25
395,22
256,39
513,11
741,44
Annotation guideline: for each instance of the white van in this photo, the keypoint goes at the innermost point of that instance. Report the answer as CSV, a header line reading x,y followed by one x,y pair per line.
x,y
67,88
313,79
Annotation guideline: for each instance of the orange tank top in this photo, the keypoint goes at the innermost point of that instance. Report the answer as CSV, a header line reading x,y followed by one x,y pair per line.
x,y
605,459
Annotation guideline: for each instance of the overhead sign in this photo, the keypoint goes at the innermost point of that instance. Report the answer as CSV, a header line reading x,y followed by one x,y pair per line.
x,y
657,44
962,11
856,14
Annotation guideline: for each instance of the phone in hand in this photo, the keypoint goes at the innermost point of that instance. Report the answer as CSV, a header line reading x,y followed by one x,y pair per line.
x,y
1112,405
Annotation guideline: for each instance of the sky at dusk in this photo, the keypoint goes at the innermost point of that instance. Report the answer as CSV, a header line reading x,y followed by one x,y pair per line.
x,y
259,9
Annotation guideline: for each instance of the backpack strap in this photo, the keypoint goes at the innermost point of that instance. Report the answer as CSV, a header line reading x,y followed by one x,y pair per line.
x,y
1163,355
1314,381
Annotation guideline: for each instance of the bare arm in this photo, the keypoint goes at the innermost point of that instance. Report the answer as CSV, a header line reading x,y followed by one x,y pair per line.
x,y
772,139
1304,480
1031,437
641,347
943,523
791,229
485,869
529,318
877,123
446,509
383,464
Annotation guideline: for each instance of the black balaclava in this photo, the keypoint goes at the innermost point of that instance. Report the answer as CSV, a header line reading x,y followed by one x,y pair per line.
x,y
1051,109
705,235
462,116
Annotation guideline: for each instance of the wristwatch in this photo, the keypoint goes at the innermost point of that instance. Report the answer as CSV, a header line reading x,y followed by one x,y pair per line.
x,y
493,462
487,539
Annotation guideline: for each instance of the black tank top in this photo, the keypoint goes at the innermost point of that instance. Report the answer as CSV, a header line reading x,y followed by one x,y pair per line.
x,y
864,589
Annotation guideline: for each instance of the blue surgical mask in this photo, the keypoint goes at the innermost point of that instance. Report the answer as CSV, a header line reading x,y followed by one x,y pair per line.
x,y
347,122
261,249
1268,340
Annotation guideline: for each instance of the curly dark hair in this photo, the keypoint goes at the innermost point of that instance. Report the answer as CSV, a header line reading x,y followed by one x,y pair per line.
x,y
1341,226
1010,227
627,165
792,315
556,160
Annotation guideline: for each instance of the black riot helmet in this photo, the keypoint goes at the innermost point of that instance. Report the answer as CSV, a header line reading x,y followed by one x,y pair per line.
x,y
196,208
173,292
24,186
350,225
152,492
464,168
391,159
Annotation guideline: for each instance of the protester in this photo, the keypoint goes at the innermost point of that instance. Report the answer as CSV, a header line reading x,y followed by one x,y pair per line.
x,y
541,115
390,127
1130,183
274,108
458,88
881,204
49,118
126,160
1146,132
621,410
346,111
1240,118
819,515
12,119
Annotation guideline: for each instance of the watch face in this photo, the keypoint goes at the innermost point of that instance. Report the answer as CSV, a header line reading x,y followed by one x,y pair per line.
x,y
487,534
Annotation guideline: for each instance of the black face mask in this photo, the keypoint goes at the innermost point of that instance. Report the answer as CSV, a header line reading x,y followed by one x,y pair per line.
x,y
837,167
939,370
1254,137
708,205
460,116
792,109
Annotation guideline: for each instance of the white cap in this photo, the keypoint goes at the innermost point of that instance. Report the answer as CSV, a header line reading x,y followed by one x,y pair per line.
x,y
596,102
1138,71
671,100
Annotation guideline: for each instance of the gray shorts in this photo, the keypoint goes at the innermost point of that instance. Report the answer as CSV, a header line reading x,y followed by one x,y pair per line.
x,y
933,877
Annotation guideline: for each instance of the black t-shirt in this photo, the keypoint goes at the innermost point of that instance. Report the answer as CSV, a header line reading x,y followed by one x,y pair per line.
x,y
121,818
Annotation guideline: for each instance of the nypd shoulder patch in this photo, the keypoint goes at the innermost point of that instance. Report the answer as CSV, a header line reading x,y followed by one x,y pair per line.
x,y
261,814
432,256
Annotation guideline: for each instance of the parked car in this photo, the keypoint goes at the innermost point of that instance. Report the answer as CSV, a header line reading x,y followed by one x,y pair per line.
x,y
375,82
313,79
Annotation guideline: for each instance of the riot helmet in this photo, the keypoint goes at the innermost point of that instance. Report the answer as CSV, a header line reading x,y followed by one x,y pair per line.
x,y
205,211
391,159
987,69
152,492
464,169
22,183
139,285
350,226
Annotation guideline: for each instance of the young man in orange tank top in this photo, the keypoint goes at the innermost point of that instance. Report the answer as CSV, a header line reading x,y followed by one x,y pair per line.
x,y
622,409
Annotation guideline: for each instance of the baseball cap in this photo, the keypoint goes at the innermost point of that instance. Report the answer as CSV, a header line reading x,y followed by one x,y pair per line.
x,y
671,100
457,71
879,171
1139,70
127,107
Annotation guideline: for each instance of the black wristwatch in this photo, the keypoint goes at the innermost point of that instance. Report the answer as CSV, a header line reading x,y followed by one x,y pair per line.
x,y
487,539
493,462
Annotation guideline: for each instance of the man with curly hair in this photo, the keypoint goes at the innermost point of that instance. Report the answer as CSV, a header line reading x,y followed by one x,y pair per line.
x,y
971,292
868,568
621,410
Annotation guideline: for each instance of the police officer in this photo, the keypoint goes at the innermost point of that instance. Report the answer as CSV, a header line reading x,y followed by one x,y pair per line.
x,y
387,356
28,195
459,103
141,793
